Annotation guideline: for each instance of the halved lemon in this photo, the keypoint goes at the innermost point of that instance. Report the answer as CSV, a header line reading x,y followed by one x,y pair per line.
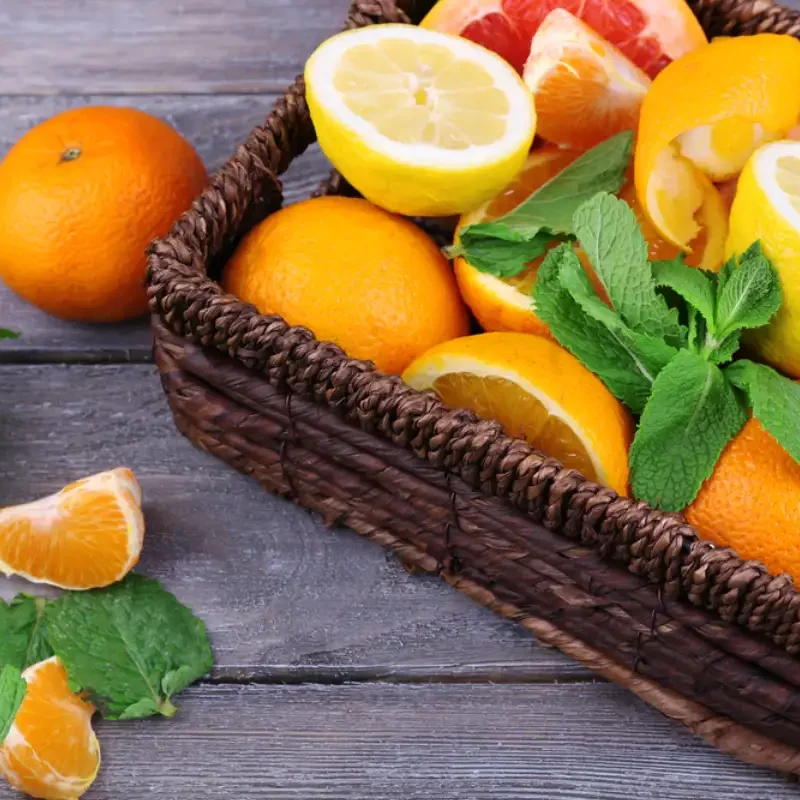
x,y
767,208
538,392
421,123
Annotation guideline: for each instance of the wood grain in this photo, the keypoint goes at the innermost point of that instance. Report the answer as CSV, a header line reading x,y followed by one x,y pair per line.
x,y
159,46
284,597
214,125
398,742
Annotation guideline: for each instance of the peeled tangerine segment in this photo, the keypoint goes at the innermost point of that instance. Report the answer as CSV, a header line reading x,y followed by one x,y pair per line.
x,y
422,95
520,413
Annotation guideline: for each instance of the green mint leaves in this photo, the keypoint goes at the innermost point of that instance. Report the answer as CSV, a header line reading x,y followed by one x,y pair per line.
x,y
129,647
22,632
691,415
505,246
661,344
12,693
7,334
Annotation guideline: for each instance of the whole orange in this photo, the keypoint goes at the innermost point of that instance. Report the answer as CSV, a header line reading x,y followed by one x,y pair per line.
x,y
354,274
751,502
81,196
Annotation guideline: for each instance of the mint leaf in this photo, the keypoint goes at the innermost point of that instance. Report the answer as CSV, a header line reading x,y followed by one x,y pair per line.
x,y
12,692
626,372
692,284
690,417
6,334
22,632
775,401
607,230
725,351
131,647
553,206
499,250
748,296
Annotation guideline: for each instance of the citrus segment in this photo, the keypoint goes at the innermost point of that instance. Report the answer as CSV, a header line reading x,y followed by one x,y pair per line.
x,y
88,535
703,116
767,208
537,391
419,122
649,32
584,88
354,274
751,502
51,751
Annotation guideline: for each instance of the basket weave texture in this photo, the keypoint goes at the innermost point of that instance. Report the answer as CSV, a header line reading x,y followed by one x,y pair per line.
x,y
706,637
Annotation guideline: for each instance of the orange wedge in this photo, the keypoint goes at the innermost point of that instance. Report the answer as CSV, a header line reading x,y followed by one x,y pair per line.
x,y
704,116
51,751
538,392
505,304
651,33
584,88
88,535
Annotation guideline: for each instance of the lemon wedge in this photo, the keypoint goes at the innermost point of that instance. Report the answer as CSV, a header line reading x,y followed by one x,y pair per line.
x,y
767,208
421,123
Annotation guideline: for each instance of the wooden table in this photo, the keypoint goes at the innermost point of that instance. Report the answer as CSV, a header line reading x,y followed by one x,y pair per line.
x,y
338,675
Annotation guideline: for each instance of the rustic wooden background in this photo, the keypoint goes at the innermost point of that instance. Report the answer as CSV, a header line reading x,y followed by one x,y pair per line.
x,y
338,675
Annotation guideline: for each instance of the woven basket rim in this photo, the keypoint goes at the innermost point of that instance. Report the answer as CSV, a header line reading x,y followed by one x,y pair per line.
x,y
194,306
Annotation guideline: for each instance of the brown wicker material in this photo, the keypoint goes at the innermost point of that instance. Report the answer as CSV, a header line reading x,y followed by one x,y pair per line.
x,y
707,638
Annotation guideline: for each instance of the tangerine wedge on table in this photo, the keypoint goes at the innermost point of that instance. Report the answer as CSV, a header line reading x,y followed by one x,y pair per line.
x,y
651,33
704,116
51,751
584,88
86,536
537,391
505,304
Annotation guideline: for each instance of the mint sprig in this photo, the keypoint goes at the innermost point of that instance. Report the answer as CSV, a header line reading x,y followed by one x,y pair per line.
x,y
505,246
7,334
661,343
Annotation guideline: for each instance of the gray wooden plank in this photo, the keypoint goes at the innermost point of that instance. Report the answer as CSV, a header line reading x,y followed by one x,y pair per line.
x,y
428,742
284,597
159,46
214,125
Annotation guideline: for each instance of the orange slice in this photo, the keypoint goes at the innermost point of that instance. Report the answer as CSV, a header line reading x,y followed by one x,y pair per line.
x,y
704,116
651,33
505,304
538,392
51,751
88,535
585,89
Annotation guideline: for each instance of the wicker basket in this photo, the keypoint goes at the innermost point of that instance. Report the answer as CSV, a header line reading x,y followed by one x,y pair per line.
x,y
705,637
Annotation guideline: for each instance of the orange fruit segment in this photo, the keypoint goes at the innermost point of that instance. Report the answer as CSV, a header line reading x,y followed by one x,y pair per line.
x,y
86,536
703,117
51,751
585,89
538,392
651,33
505,304
751,502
